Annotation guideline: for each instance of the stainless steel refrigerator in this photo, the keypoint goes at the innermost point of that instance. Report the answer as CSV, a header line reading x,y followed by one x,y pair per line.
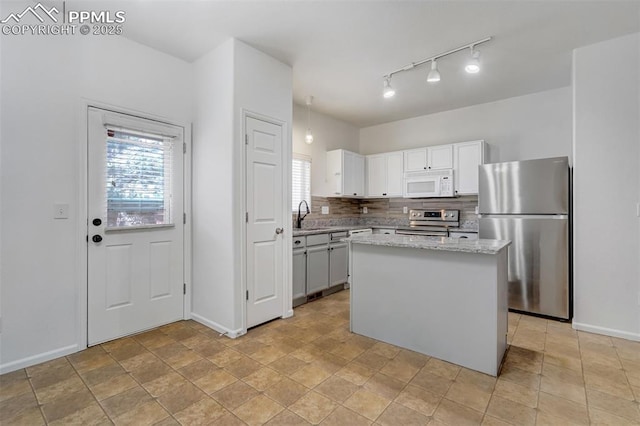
x,y
527,202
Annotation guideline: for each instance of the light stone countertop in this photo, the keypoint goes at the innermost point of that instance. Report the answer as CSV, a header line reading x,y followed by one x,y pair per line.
x,y
432,243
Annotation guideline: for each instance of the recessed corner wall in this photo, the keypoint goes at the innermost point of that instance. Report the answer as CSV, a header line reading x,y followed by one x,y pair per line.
x,y
231,80
606,145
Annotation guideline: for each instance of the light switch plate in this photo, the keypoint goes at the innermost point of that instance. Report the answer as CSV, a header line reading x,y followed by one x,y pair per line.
x,y
61,211
405,210
325,209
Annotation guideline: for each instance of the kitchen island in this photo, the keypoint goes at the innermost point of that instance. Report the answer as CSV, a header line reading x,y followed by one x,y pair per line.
x,y
442,297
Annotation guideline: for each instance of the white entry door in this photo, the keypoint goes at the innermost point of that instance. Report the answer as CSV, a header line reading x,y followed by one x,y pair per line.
x,y
265,221
135,224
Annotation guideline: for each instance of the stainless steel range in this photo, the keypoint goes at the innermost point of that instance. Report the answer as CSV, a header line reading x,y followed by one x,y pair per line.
x,y
433,223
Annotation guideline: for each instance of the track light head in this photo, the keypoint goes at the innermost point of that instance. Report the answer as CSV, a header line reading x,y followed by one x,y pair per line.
x,y
473,64
434,74
388,91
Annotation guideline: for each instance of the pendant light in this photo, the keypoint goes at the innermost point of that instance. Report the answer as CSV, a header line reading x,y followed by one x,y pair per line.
x,y
434,74
308,137
387,90
473,64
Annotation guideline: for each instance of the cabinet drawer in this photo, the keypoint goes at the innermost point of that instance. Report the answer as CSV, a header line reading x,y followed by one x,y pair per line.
x,y
314,240
298,242
336,236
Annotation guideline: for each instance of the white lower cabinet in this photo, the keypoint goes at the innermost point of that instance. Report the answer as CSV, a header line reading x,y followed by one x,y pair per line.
x,y
318,264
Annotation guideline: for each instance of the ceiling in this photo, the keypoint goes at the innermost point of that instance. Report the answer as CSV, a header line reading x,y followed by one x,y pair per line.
x,y
339,50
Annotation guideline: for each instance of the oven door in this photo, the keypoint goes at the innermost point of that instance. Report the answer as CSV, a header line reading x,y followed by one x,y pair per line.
x,y
421,186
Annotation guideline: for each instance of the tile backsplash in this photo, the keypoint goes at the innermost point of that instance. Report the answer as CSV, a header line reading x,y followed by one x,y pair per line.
x,y
383,211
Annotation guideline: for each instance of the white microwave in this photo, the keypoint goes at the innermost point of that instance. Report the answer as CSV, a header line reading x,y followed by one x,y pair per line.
x,y
428,183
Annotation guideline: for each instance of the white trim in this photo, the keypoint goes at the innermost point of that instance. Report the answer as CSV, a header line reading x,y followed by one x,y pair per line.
x,y
606,331
186,206
217,327
37,359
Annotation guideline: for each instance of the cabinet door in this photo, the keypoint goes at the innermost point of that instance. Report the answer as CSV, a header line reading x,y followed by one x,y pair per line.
x,y
467,157
299,274
338,261
317,268
394,174
415,160
440,157
358,175
376,173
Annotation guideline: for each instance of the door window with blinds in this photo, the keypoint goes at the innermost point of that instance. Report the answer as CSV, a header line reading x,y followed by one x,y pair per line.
x,y
301,181
138,179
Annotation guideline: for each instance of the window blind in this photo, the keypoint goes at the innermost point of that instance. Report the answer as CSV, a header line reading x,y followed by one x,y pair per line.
x,y
138,178
301,181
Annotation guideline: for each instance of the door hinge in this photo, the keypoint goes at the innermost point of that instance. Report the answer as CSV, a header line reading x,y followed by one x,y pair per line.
x,y
246,217
184,147
246,139
247,294
184,218
184,288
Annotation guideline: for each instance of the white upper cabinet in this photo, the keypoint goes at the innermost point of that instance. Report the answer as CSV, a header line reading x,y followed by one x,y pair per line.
x,y
467,156
384,174
395,168
415,160
345,173
429,158
440,157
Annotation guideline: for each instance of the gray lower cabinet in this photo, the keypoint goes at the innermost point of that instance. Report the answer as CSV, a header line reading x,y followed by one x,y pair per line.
x,y
338,263
299,276
317,268
319,262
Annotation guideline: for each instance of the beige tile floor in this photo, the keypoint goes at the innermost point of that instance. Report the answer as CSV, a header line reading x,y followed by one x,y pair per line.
x,y
310,370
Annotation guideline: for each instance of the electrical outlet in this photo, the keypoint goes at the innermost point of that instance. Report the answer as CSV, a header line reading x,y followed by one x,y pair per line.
x,y
61,211
365,210
325,210
476,210
405,210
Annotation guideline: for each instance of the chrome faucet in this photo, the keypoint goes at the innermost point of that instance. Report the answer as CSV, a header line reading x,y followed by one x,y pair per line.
x,y
300,219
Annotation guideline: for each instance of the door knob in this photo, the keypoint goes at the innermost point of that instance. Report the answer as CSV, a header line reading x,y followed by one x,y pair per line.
x,y
279,230
96,238
97,222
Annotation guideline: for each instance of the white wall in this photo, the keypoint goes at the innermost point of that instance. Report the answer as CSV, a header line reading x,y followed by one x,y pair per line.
x,y
606,148
230,80
212,167
520,128
328,134
44,81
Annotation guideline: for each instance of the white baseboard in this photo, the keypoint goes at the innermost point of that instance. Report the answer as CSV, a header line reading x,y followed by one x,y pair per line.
x,y
217,327
288,314
606,331
37,359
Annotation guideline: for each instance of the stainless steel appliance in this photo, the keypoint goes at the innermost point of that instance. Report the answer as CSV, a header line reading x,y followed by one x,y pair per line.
x,y
527,202
428,183
433,223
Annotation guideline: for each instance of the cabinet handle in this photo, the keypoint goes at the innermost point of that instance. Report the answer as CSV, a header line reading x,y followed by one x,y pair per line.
x,y
384,193
297,242
425,168
355,193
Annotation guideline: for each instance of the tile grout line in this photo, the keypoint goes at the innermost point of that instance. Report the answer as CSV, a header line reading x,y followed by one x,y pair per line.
x,y
35,395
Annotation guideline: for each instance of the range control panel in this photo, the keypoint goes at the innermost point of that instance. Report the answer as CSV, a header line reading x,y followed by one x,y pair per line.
x,y
434,215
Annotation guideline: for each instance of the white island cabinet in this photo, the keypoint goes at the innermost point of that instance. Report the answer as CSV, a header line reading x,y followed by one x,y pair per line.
x,y
442,297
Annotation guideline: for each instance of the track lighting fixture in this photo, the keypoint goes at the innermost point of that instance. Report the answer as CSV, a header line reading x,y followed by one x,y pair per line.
x,y
387,90
472,66
308,137
434,74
